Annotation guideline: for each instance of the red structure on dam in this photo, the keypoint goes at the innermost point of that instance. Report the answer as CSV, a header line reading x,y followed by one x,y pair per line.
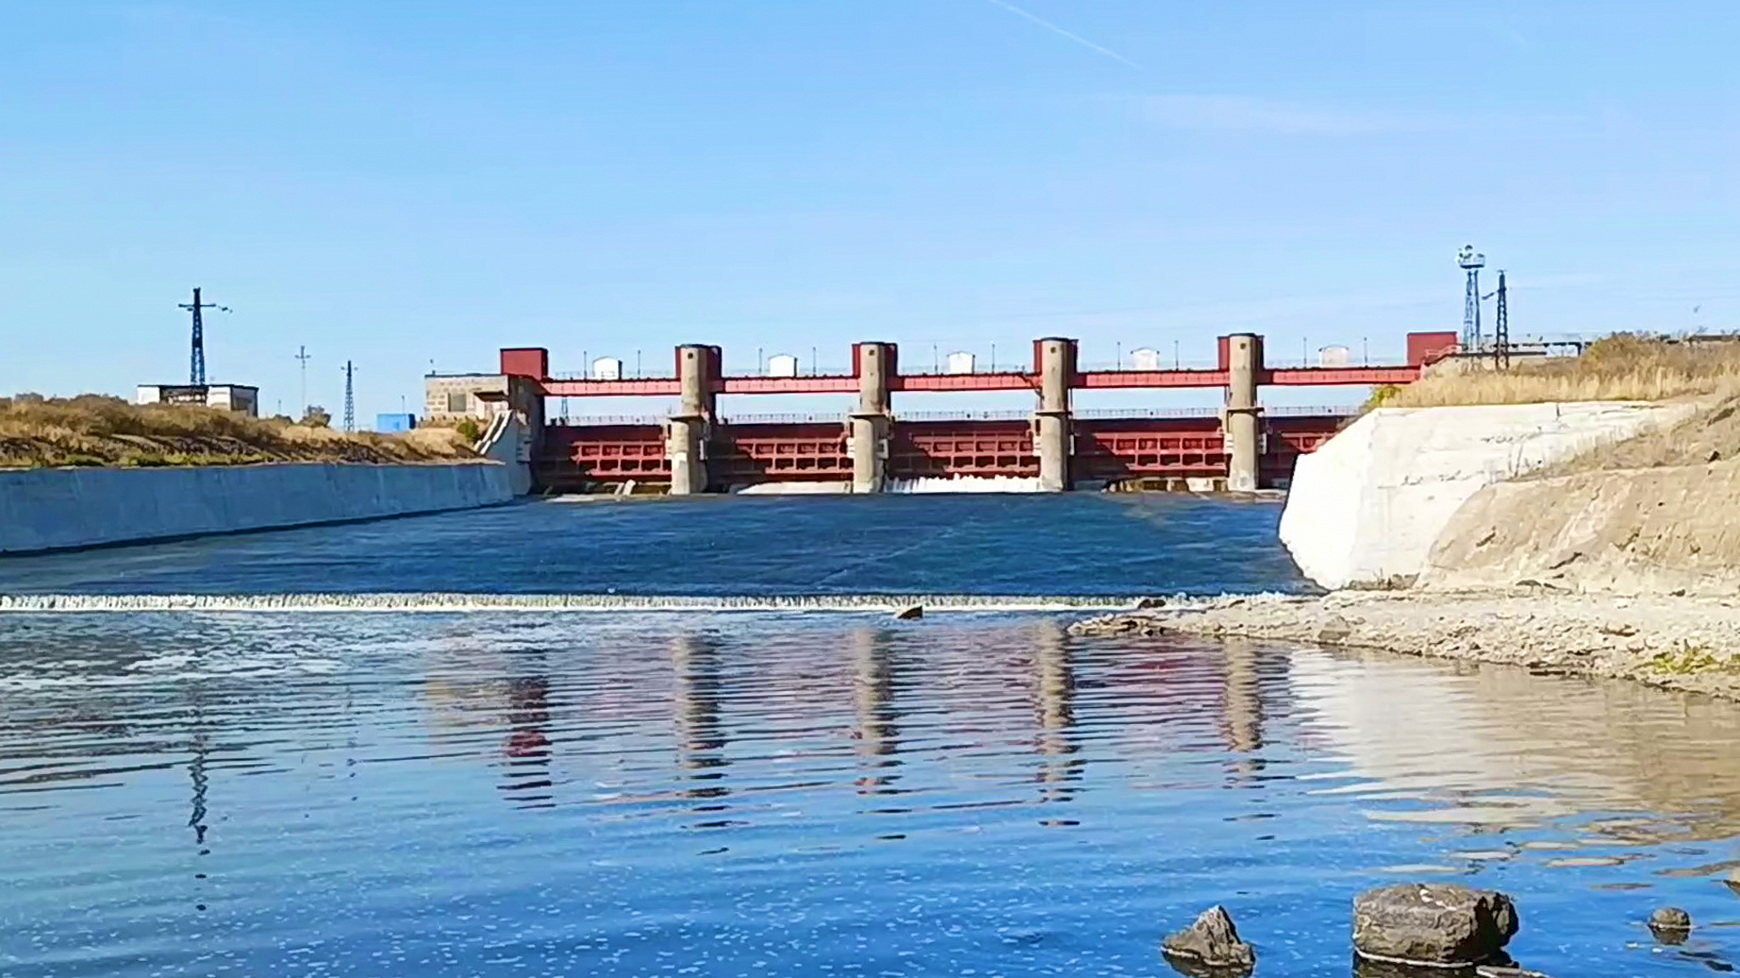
x,y
1240,446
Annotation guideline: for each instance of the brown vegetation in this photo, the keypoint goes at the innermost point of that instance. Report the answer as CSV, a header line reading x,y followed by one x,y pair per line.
x,y
100,430
1623,367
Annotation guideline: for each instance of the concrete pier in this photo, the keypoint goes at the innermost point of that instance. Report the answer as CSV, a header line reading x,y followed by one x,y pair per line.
x,y
688,431
1054,362
1242,420
872,421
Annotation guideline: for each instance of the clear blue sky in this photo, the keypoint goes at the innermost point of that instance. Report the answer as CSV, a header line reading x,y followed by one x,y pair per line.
x,y
401,182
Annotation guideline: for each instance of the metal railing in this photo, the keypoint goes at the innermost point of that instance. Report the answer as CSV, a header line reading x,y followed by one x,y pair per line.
x,y
1009,414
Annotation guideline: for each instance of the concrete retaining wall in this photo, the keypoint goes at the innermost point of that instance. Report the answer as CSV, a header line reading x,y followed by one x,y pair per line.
x,y
55,509
1365,508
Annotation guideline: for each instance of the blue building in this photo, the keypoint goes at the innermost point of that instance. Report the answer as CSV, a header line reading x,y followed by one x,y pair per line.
x,y
393,423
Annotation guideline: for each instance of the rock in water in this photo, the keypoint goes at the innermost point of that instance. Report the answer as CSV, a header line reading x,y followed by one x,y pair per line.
x,y
1211,946
910,612
1434,924
1670,925
1733,881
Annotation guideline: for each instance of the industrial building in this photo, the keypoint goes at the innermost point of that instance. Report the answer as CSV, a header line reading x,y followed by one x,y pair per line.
x,y
239,398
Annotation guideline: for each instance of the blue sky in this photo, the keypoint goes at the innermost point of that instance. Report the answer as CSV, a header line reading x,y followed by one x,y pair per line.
x,y
404,182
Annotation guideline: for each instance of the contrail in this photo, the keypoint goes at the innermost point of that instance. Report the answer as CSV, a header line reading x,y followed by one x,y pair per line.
x,y
1077,38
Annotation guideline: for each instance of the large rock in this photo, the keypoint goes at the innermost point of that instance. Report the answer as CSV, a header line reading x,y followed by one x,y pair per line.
x,y
1434,924
1211,946
1670,925
1365,507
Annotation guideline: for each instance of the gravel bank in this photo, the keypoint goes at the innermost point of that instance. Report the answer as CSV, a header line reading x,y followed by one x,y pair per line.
x,y
1681,642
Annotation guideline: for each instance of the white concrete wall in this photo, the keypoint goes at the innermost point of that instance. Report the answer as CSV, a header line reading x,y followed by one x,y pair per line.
x,y
50,509
1366,507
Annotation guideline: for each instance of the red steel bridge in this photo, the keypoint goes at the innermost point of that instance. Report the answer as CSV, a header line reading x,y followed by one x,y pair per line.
x,y
700,448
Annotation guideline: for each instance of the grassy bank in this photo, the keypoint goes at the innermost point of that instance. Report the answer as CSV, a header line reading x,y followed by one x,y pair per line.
x,y
1623,367
96,430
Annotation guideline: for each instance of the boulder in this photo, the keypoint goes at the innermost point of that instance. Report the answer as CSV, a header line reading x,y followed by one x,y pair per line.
x,y
910,612
1670,925
1210,946
1433,924
1733,881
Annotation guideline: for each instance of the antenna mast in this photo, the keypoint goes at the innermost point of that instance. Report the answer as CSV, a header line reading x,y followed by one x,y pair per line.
x,y
196,360
1471,262
349,398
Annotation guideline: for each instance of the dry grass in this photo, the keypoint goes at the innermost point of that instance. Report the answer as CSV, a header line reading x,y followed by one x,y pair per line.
x,y
99,430
1623,367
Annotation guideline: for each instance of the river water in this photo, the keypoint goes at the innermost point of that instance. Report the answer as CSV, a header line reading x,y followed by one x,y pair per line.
x,y
438,793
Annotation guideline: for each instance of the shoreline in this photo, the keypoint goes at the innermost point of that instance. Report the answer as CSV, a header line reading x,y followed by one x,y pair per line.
x,y
1685,643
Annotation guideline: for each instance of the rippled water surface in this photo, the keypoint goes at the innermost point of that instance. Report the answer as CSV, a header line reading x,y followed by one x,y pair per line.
x,y
503,794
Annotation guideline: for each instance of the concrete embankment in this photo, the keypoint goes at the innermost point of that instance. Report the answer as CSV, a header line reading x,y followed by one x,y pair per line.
x,y
60,509
1579,570
1367,507
1641,531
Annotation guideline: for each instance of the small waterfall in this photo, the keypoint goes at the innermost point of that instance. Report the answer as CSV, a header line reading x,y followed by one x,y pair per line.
x,y
455,602
967,483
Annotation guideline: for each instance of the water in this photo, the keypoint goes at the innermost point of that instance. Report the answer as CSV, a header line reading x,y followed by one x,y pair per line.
x,y
1087,544
752,793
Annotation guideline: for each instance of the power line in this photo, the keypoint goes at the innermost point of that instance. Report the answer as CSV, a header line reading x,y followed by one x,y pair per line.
x,y
196,359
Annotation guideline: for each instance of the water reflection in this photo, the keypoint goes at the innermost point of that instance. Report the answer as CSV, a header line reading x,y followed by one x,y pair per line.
x,y
1496,747
1054,690
700,736
527,749
875,729
803,728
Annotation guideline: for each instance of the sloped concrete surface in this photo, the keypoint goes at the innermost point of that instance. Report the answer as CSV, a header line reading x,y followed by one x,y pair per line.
x,y
1365,508
57,509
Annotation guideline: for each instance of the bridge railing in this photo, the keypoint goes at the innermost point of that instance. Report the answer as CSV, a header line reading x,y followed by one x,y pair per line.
x,y
1012,414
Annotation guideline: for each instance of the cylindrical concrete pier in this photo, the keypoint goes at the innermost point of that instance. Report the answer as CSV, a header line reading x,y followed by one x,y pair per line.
x,y
871,422
1242,424
688,431
1054,361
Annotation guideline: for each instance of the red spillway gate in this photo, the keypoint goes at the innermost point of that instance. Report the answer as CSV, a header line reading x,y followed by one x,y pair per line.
x,y
583,456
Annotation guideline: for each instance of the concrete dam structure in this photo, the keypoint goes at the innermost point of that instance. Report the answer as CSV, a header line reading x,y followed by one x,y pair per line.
x,y
871,448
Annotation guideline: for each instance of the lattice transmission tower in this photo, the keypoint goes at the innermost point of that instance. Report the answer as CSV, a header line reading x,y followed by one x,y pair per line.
x,y
196,359
349,397
1501,328
1471,262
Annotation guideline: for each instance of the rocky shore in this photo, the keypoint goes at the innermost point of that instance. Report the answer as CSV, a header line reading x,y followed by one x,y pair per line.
x,y
1673,641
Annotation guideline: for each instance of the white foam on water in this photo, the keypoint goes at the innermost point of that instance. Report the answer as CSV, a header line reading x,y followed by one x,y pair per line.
x,y
451,602
967,483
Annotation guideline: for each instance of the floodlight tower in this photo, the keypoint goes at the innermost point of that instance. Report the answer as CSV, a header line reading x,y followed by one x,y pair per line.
x,y
1471,262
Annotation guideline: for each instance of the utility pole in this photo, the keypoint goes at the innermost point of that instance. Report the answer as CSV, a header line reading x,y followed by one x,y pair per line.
x,y
349,398
303,358
196,361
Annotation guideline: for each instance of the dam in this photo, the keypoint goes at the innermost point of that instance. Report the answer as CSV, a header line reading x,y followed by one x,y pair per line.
x,y
697,448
